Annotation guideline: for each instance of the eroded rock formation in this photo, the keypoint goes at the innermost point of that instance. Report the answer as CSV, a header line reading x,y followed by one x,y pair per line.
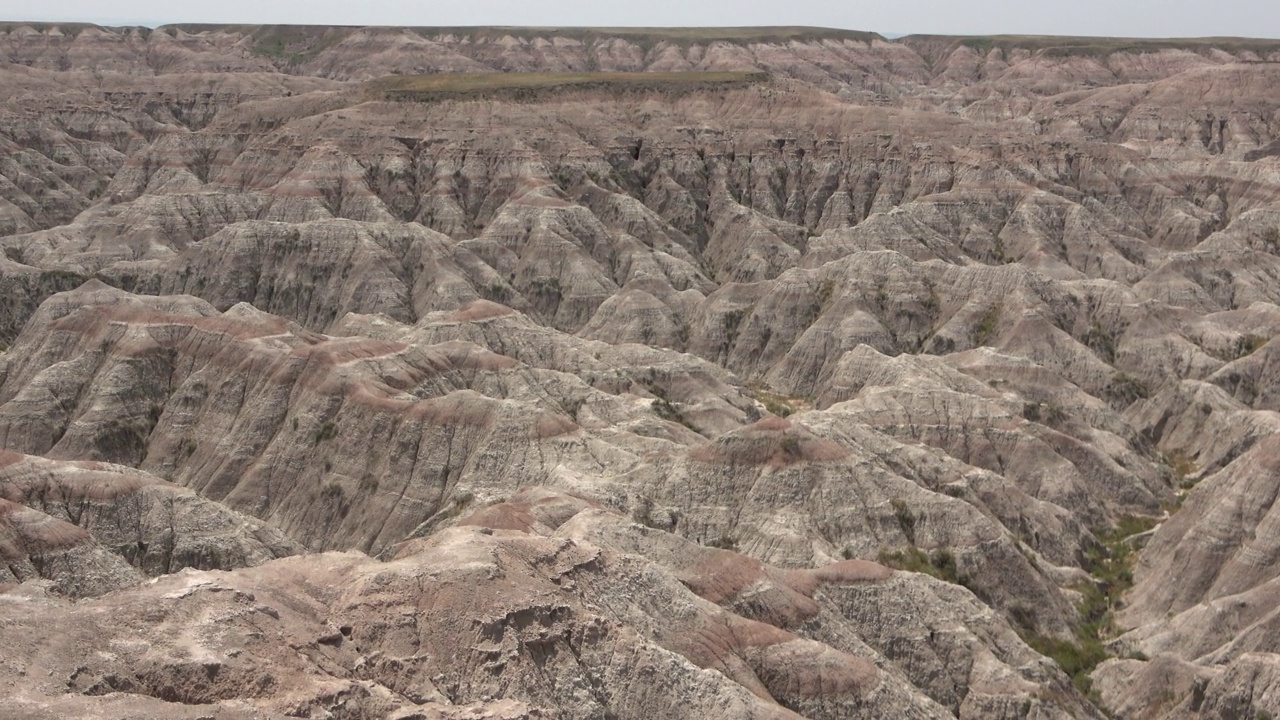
x,y
918,378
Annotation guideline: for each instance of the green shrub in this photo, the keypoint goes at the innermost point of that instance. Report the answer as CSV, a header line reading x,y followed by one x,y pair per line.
x,y
732,320
1125,389
986,326
906,519
1101,342
941,564
776,408
1076,659
724,542
1248,344
326,431
1271,238
642,513
825,292
1044,413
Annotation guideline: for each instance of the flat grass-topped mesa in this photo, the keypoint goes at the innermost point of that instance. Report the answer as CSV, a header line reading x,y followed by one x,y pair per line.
x,y
1062,46
443,85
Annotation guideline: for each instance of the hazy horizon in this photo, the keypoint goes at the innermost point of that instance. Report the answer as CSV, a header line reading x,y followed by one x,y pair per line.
x,y
1117,18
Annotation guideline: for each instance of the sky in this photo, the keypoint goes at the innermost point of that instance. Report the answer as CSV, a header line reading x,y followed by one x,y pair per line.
x,y
1127,18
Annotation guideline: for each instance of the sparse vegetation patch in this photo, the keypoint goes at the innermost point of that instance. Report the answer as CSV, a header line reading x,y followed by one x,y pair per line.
x,y
986,327
1125,389
779,404
1111,565
1248,344
520,85
940,564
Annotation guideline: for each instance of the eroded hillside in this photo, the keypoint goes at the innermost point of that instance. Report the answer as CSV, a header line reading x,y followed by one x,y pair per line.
x,y
783,372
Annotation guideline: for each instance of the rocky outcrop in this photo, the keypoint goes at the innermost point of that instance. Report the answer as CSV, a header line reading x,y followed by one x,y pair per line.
x,y
153,525
556,599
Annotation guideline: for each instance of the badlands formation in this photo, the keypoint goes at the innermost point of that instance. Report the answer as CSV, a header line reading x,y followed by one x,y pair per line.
x,y
514,373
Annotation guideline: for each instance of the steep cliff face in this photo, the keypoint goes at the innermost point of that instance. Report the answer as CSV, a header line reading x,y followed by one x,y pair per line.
x,y
806,374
